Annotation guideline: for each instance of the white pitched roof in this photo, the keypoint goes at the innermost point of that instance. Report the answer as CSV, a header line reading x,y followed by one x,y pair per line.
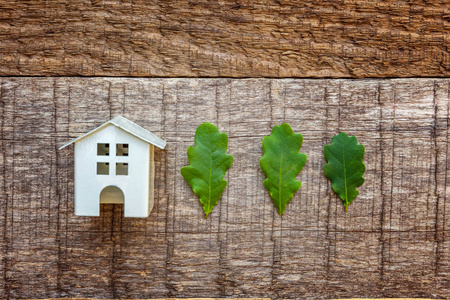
x,y
128,126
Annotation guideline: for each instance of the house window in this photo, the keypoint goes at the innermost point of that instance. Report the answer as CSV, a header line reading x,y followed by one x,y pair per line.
x,y
103,149
121,168
122,149
102,168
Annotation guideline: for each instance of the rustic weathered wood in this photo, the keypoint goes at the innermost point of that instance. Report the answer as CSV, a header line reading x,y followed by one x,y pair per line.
x,y
392,242
281,38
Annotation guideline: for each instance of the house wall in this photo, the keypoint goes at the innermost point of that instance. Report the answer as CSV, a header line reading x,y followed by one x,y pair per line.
x,y
151,189
88,184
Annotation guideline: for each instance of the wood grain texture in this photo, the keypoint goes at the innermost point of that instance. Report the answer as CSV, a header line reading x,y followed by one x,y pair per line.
x,y
392,242
281,38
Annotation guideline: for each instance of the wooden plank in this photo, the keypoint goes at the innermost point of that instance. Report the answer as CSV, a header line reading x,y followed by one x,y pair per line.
x,y
189,299
392,242
286,38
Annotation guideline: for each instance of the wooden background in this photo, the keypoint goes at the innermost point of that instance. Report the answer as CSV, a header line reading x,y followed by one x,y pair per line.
x,y
392,242
235,38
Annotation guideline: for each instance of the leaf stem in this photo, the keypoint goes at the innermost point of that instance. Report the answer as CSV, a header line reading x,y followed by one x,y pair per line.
x,y
279,185
209,196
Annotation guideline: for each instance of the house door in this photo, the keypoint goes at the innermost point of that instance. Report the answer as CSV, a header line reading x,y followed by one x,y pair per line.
x,y
111,194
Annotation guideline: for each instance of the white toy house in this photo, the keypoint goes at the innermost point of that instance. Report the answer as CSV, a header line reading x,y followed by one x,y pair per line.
x,y
114,163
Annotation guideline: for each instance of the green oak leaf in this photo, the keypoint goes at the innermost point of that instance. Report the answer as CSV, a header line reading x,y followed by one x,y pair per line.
x,y
281,162
209,162
345,167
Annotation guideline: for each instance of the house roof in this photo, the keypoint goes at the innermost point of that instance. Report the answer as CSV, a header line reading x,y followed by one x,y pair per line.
x,y
128,126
